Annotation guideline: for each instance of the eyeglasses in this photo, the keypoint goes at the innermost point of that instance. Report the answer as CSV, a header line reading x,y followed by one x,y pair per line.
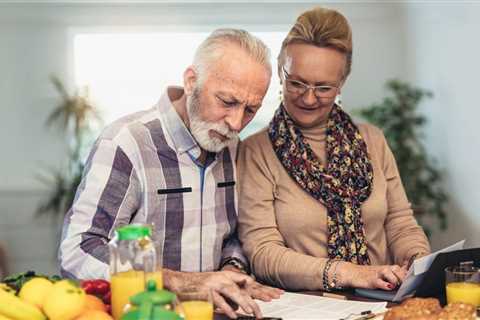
x,y
299,88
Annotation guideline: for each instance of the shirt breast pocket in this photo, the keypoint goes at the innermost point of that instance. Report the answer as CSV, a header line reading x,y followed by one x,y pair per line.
x,y
171,200
226,184
227,193
174,192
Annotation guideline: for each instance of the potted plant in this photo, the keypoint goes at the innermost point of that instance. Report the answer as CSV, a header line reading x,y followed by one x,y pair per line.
x,y
78,120
397,115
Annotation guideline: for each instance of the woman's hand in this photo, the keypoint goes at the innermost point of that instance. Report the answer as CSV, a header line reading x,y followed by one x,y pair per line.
x,y
386,277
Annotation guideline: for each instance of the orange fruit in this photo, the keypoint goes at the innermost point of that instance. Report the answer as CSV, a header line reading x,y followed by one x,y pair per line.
x,y
94,315
94,303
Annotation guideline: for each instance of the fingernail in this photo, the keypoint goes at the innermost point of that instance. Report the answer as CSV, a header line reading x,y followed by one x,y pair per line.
x,y
390,286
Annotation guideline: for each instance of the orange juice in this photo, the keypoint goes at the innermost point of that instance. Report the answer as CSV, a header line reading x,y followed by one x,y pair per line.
x,y
466,292
198,310
126,284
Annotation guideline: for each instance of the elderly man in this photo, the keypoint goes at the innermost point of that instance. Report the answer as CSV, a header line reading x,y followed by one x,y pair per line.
x,y
173,166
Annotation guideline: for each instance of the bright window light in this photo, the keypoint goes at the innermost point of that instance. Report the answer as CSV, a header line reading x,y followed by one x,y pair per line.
x,y
126,73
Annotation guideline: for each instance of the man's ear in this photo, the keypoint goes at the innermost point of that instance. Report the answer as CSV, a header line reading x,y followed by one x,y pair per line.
x,y
189,80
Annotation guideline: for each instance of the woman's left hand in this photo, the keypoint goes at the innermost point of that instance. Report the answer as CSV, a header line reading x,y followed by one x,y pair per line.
x,y
386,277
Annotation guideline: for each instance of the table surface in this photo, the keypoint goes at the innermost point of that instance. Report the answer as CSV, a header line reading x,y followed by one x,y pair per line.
x,y
348,294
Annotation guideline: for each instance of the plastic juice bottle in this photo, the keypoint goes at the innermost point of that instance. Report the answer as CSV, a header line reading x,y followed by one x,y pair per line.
x,y
132,264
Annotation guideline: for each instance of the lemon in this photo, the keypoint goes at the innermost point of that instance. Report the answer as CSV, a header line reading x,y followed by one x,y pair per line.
x,y
35,290
64,302
6,288
4,318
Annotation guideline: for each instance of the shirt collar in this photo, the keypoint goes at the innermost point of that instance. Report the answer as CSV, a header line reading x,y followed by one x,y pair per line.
x,y
178,132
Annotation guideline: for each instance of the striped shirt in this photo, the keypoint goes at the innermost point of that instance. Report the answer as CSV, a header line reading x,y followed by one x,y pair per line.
x,y
143,169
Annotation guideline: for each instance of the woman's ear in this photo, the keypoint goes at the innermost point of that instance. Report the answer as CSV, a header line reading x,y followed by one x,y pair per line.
x,y
189,80
340,86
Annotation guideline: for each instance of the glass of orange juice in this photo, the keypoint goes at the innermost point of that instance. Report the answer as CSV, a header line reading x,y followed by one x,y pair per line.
x,y
463,284
195,305
127,284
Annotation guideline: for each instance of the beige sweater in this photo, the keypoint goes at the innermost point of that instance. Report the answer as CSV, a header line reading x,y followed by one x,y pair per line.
x,y
284,229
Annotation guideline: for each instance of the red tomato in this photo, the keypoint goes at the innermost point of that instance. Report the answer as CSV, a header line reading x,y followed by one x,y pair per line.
x,y
102,286
88,286
107,298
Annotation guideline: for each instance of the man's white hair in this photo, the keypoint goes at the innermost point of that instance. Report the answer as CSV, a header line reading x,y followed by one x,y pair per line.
x,y
211,49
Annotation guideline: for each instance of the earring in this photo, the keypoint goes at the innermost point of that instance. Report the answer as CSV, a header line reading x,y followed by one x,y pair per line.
x,y
280,95
338,100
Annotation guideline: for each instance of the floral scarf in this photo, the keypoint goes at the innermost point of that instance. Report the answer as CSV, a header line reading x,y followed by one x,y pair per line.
x,y
342,186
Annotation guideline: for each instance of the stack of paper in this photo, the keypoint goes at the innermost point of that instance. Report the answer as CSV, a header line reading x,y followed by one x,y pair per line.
x,y
300,306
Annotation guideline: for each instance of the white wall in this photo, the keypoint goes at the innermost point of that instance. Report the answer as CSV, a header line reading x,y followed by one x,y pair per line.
x,y
35,43
443,55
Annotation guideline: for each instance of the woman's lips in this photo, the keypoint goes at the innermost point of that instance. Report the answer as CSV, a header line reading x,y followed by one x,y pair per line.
x,y
307,108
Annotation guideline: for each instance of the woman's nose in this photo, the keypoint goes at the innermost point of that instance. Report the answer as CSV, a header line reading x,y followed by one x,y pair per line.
x,y
309,97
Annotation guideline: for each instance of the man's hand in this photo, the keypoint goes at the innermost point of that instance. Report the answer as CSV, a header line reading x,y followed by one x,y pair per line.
x,y
255,289
229,267
386,277
222,285
262,292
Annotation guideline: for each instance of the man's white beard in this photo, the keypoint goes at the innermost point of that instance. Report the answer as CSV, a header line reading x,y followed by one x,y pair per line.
x,y
200,128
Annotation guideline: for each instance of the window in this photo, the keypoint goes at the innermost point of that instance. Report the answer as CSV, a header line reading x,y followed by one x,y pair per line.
x,y
128,72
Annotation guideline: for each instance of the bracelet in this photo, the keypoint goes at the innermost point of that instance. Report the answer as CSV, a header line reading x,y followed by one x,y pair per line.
x,y
327,267
334,283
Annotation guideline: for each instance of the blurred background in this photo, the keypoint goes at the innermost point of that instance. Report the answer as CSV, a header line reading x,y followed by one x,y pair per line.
x,y
118,56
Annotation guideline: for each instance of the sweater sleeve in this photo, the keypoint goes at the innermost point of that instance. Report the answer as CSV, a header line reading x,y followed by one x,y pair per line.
x,y
404,236
271,259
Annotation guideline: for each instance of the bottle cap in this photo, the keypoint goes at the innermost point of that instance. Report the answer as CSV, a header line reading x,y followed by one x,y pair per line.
x,y
134,231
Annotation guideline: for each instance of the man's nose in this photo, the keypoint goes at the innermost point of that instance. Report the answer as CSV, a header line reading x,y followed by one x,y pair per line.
x,y
235,119
309,97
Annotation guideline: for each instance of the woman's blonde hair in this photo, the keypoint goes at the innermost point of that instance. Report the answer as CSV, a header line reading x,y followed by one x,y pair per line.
x,y
323,28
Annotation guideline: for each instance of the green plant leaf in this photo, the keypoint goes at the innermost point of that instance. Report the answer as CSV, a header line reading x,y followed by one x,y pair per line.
x,y
74,114
397,115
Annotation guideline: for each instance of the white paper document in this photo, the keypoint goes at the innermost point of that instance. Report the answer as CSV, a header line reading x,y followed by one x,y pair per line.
x,y
295,306
422,264
414,277
418,269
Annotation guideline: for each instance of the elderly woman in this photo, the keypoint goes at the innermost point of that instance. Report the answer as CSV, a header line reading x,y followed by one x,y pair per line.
x,y
321,203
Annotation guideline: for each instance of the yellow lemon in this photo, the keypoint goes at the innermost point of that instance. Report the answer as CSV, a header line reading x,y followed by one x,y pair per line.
x,y
64,302
6,288
4,318
35,290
